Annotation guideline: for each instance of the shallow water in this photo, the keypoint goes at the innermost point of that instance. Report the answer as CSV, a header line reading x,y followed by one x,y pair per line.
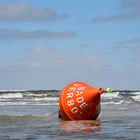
x,y
41,123
36,118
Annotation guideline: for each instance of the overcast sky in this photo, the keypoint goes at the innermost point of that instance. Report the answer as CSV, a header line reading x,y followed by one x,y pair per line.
x,y
47,44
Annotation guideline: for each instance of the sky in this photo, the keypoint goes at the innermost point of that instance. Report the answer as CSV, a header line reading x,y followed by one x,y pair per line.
x,y
48,44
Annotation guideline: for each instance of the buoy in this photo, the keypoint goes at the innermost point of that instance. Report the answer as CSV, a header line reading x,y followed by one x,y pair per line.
x,y
79,101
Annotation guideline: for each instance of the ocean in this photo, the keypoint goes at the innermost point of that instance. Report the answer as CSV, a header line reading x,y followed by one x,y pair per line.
x,y
33,115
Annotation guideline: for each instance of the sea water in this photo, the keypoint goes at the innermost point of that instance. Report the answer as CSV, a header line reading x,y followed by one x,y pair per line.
x,y
33,115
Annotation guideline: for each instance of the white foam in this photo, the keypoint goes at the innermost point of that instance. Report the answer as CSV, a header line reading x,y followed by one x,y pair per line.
x,y
11,95
46,99
27,103
112,102
28,94
111,95
136,93
136,98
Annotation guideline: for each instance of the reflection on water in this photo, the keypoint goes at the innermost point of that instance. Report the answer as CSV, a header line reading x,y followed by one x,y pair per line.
x,y
83,125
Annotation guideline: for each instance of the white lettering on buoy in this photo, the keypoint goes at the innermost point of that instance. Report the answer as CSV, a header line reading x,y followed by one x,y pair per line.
x,y
83,105
80,99
81,88
72,89
69,95
74,110
70,102
79,93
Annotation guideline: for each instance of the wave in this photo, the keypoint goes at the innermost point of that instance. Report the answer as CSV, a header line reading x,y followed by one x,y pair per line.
x,y
135,98
20,117
50,97
40,97
29,94
10,95
121,97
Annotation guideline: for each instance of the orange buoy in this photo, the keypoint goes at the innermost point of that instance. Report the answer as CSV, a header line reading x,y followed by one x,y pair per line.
x,y
79,101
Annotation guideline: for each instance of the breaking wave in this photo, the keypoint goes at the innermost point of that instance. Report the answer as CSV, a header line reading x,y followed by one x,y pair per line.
x,y
121,97
36,97
50,97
